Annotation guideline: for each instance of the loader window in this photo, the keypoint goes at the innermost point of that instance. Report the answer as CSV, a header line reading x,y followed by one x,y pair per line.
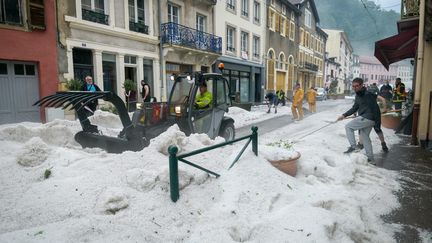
x,y
221,92
181,91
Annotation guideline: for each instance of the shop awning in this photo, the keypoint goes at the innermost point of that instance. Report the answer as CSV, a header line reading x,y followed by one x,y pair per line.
x,y
397,47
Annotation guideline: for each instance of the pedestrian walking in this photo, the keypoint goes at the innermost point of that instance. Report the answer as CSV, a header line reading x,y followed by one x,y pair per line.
x,y
368,114
311,99
271,99
297,104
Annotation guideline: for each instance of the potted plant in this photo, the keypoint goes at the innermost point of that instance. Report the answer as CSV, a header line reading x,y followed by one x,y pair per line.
x,y
391,120
282,155
332,89
130,88
74,84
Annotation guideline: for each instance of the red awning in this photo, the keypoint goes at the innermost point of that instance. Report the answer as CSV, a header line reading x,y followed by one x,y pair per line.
x,y
397,47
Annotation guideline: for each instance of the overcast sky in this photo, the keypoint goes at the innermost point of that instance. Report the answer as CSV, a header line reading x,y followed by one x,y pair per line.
x,y
390,4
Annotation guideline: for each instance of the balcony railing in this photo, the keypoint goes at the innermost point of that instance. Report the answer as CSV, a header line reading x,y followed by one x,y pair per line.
x,y
176,34
94,16
230,6
309,66
410,8
231,48
138,27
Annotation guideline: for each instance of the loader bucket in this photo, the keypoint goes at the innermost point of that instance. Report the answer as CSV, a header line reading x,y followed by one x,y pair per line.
x,y
132,137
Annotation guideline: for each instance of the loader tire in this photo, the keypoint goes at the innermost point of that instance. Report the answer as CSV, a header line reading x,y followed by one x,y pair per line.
x,y
227,131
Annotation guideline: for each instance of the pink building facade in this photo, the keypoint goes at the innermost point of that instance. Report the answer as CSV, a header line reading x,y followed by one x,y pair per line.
x,y
28,58
372,71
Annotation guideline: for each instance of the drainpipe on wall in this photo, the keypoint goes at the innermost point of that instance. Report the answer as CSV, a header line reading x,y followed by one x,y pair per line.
x,y
418,75
161,56
214,65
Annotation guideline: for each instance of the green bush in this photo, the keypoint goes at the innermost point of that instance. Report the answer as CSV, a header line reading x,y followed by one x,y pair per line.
x,y
129,85
74,84
109,108
333,86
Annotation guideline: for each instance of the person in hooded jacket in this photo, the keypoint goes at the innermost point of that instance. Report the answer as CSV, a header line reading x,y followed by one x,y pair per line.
x,y
297,104
311,99
368,115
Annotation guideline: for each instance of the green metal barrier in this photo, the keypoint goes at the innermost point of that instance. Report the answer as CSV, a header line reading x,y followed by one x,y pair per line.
x,y
174,158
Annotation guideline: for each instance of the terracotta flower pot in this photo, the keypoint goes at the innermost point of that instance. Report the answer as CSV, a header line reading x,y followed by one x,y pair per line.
x,y
288,166
390,121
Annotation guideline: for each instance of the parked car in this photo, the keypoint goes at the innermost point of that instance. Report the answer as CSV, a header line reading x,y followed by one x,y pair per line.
x,y
321,94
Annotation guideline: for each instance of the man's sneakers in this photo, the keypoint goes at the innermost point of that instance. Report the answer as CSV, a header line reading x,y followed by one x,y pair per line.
x,y
371,161
384,147
349,150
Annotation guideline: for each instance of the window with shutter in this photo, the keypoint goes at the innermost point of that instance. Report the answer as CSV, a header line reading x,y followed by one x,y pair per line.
x,y
277,22
36,14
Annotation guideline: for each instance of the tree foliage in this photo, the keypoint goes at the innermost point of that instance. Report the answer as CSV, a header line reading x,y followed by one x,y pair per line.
x,y
364,24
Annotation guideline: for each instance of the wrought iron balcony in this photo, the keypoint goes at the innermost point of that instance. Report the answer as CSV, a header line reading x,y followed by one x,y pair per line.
x,y
94,16
309,66
410,8
138,27
230,6
176,34
231,48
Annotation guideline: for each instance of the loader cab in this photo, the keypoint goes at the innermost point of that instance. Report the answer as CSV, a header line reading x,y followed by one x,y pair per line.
x,y
192,118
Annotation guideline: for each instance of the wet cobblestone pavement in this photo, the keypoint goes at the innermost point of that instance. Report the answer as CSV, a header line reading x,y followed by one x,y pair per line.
x,y
415,213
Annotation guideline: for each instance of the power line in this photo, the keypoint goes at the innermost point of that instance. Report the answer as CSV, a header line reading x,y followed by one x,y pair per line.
x,y
370,15
391,6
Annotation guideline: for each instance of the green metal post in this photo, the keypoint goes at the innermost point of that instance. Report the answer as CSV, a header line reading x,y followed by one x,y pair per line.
x,y
255,140
173,168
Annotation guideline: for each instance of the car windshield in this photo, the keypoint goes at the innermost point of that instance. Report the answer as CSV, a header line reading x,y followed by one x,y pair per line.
x,y
320,90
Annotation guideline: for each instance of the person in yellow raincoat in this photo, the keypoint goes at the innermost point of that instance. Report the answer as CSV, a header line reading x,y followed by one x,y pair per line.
x,y
204,98
297,104
311,99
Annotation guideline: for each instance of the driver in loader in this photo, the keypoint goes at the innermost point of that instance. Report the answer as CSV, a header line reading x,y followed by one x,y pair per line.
x,y
204,98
